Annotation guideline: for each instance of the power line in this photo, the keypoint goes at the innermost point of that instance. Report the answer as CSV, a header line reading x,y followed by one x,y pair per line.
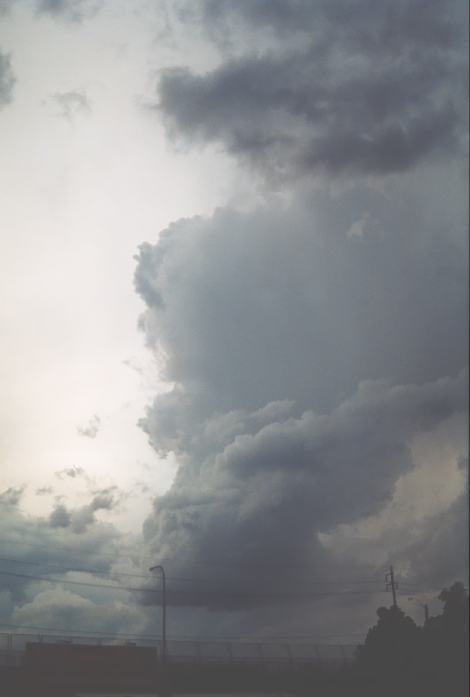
x,y
204,563
74,583
97,572
181,579
71,551
254,564
63,567
179,592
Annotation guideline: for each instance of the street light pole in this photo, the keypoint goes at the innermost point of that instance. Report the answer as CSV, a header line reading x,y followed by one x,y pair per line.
x,y
160,568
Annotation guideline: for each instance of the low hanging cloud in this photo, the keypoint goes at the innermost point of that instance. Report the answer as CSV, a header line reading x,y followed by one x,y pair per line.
x,y
305,362
7,80
366,90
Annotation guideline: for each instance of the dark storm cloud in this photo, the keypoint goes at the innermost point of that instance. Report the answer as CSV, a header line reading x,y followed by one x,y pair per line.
x,y
265,495
279,327
372,26
7,80
374,89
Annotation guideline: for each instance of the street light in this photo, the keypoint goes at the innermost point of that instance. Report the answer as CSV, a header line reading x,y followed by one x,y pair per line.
x,y
160,568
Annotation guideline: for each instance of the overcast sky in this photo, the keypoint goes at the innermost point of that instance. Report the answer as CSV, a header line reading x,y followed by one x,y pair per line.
x,y
233,274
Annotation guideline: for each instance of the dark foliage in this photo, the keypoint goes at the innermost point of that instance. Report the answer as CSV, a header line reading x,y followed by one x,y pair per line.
x,y
396,649
392,645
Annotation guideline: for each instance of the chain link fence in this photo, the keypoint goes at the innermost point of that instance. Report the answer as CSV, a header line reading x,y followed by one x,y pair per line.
x,y
13,648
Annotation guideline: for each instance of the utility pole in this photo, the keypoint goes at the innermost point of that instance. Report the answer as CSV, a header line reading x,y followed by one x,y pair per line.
x,y
425,608
391,584
160,568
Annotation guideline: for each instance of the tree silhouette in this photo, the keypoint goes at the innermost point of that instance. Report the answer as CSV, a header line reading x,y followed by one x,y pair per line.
x,y
391,646
446,638
432,660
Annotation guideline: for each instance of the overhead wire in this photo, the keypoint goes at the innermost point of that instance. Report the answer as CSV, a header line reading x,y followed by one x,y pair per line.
x,y
113,573
202,563
223,593
116,572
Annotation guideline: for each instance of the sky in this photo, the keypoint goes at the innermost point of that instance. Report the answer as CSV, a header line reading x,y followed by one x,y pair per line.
x,y
234,282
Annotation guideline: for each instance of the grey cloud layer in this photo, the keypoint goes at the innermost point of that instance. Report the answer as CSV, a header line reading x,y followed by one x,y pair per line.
x,y
366,24
268,320
374,90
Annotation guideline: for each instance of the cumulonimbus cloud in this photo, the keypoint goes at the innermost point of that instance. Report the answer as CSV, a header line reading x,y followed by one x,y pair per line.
x,y
279,328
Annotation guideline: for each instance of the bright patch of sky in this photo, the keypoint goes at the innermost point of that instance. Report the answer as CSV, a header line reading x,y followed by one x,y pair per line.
x,y
86,175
